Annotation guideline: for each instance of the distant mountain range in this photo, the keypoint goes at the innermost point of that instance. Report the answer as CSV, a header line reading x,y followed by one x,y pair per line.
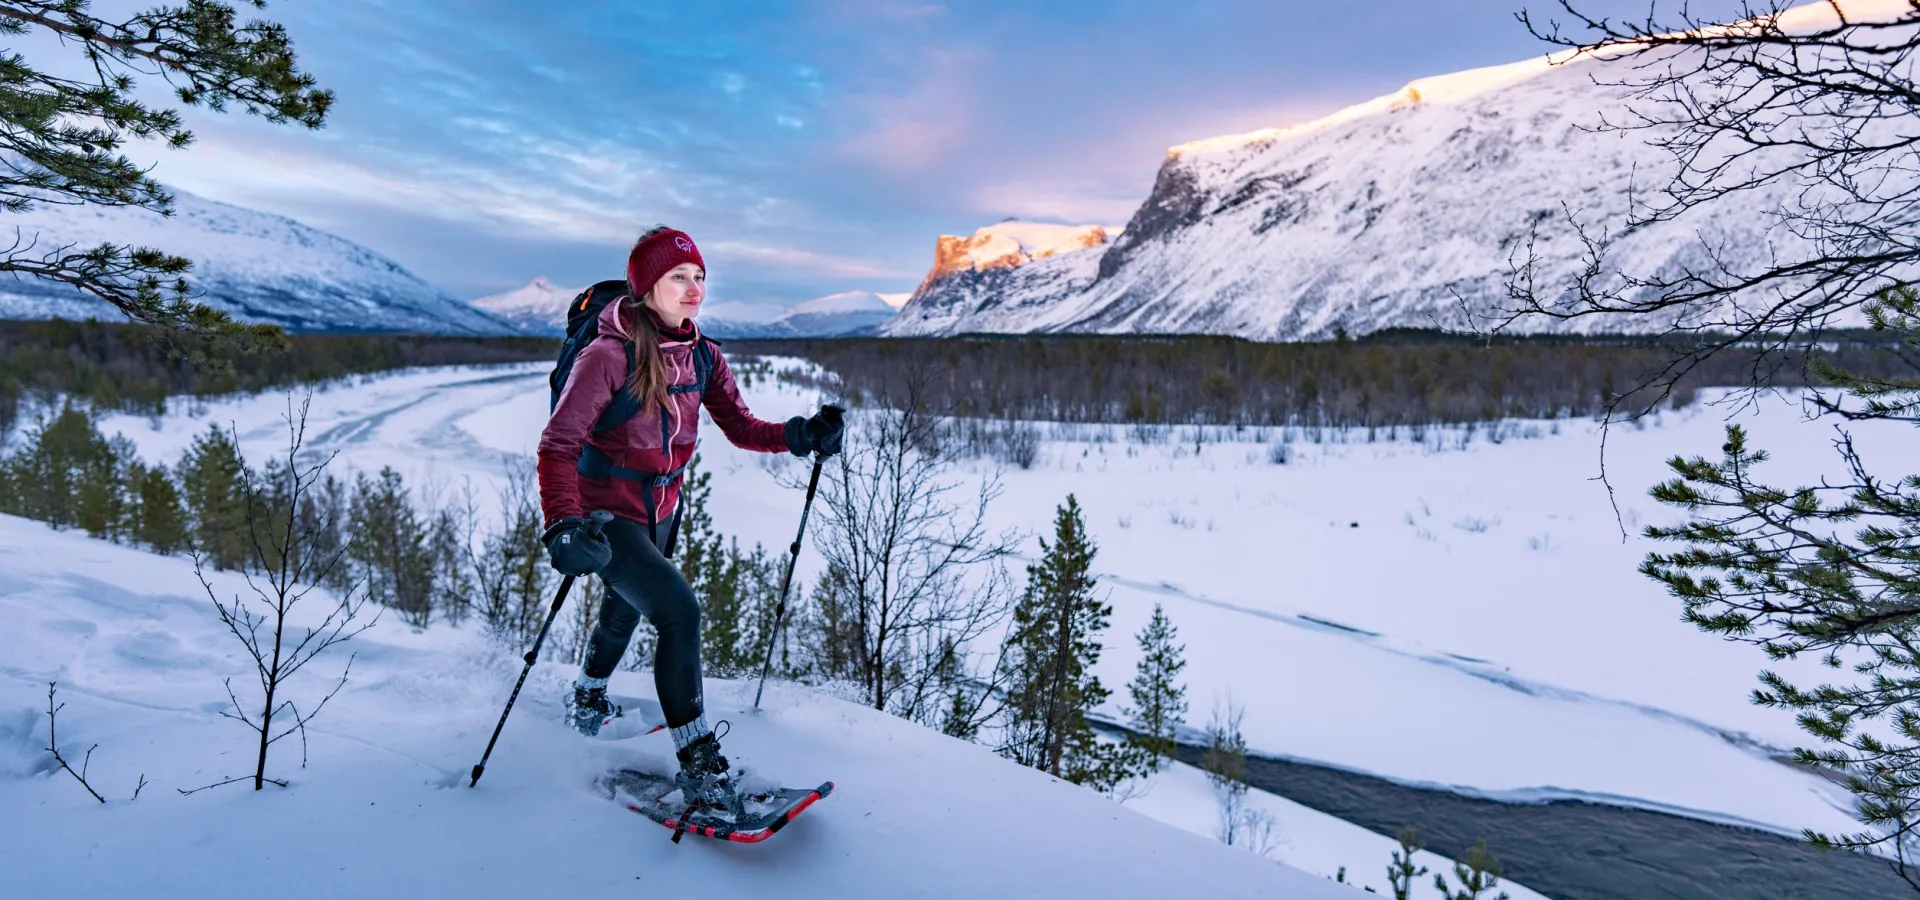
x,y
539,307
256,266
1404,211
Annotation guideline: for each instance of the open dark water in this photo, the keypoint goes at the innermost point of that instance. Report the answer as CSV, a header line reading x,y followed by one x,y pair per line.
x,y
1573,850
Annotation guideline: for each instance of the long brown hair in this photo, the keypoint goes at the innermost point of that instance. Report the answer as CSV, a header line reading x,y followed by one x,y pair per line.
x,y
649,378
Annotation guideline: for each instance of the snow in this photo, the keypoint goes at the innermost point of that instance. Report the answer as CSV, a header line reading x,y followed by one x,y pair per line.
x,y
1487,603
381,808
844,302
257,266
1014,242
1390,213
537,307
1448,88
848,312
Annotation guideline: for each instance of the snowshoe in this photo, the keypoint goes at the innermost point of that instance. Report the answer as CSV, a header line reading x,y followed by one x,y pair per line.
x,y
756,816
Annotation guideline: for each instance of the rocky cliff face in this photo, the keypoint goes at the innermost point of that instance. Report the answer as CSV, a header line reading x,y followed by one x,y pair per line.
x,y
998,277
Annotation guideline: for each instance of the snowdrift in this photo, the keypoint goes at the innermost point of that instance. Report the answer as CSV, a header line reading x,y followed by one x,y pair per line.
x,y
381,809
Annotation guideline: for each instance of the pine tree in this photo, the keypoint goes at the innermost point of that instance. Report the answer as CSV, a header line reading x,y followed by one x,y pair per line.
x,y
105,504
1055,643
447,542
323,521
1401,872
213,478
388,545
46,473
512,574
162,520
1477,871
1159,699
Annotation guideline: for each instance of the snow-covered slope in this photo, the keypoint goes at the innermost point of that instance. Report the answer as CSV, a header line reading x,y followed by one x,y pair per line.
x,y
539,307
381,808
1383,214
257,266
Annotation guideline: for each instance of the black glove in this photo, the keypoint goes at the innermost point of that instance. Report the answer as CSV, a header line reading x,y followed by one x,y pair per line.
x,y
819,433
575,546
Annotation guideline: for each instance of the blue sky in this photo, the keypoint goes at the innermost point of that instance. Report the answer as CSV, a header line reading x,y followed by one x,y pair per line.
x,y
810,147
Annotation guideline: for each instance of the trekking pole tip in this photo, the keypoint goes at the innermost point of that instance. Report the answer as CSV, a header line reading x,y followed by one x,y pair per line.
x,y
477,769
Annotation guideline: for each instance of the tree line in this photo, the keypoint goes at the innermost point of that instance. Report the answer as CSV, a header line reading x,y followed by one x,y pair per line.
x,y
136,368
1399,378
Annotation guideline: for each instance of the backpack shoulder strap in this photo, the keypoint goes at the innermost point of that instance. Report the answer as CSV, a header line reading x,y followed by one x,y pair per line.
x,y
703,363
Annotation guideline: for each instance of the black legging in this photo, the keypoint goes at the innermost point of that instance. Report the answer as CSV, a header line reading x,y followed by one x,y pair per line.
x,y
640,581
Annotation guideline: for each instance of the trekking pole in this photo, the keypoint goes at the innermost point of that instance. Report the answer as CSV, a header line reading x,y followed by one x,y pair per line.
x,y
793,556
595,522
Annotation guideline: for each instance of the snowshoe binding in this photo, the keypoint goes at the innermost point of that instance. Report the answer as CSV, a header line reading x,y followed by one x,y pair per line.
x,y
705,780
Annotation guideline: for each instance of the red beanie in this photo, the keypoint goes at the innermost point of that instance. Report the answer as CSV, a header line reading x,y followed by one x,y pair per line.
x,y
655,256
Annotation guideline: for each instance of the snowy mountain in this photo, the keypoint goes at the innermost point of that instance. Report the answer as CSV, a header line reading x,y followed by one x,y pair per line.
x,y
257,266
539,307
377,803
835,315
1383,214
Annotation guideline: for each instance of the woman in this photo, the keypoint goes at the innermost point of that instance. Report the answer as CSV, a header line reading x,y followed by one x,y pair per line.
x,y
648,348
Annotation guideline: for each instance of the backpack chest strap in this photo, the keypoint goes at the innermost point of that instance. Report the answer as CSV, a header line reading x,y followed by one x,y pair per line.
x,y
596,464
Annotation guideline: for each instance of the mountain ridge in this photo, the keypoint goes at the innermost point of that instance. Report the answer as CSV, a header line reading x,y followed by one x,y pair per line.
x,y
256,266
1409,210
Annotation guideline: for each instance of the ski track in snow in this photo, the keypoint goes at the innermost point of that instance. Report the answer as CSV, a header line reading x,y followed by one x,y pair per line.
x,y
436,424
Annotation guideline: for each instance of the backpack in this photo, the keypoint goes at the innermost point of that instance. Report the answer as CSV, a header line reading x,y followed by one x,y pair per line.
x,y
583,326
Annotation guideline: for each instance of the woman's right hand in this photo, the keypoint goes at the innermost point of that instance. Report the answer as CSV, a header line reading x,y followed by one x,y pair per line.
x,y
575,545
820,433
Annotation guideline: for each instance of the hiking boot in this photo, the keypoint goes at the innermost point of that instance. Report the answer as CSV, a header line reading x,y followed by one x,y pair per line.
x,y
589,708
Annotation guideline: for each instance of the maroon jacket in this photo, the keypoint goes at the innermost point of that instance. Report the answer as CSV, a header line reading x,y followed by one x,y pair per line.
x,y
598,372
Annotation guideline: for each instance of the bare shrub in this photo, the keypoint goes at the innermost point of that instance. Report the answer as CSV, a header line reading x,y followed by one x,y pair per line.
x,y
290,559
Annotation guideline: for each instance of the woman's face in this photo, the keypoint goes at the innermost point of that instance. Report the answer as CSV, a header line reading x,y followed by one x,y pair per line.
x,y
677,295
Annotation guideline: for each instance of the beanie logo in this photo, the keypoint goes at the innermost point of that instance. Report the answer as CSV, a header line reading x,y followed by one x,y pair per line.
x,y
684,244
